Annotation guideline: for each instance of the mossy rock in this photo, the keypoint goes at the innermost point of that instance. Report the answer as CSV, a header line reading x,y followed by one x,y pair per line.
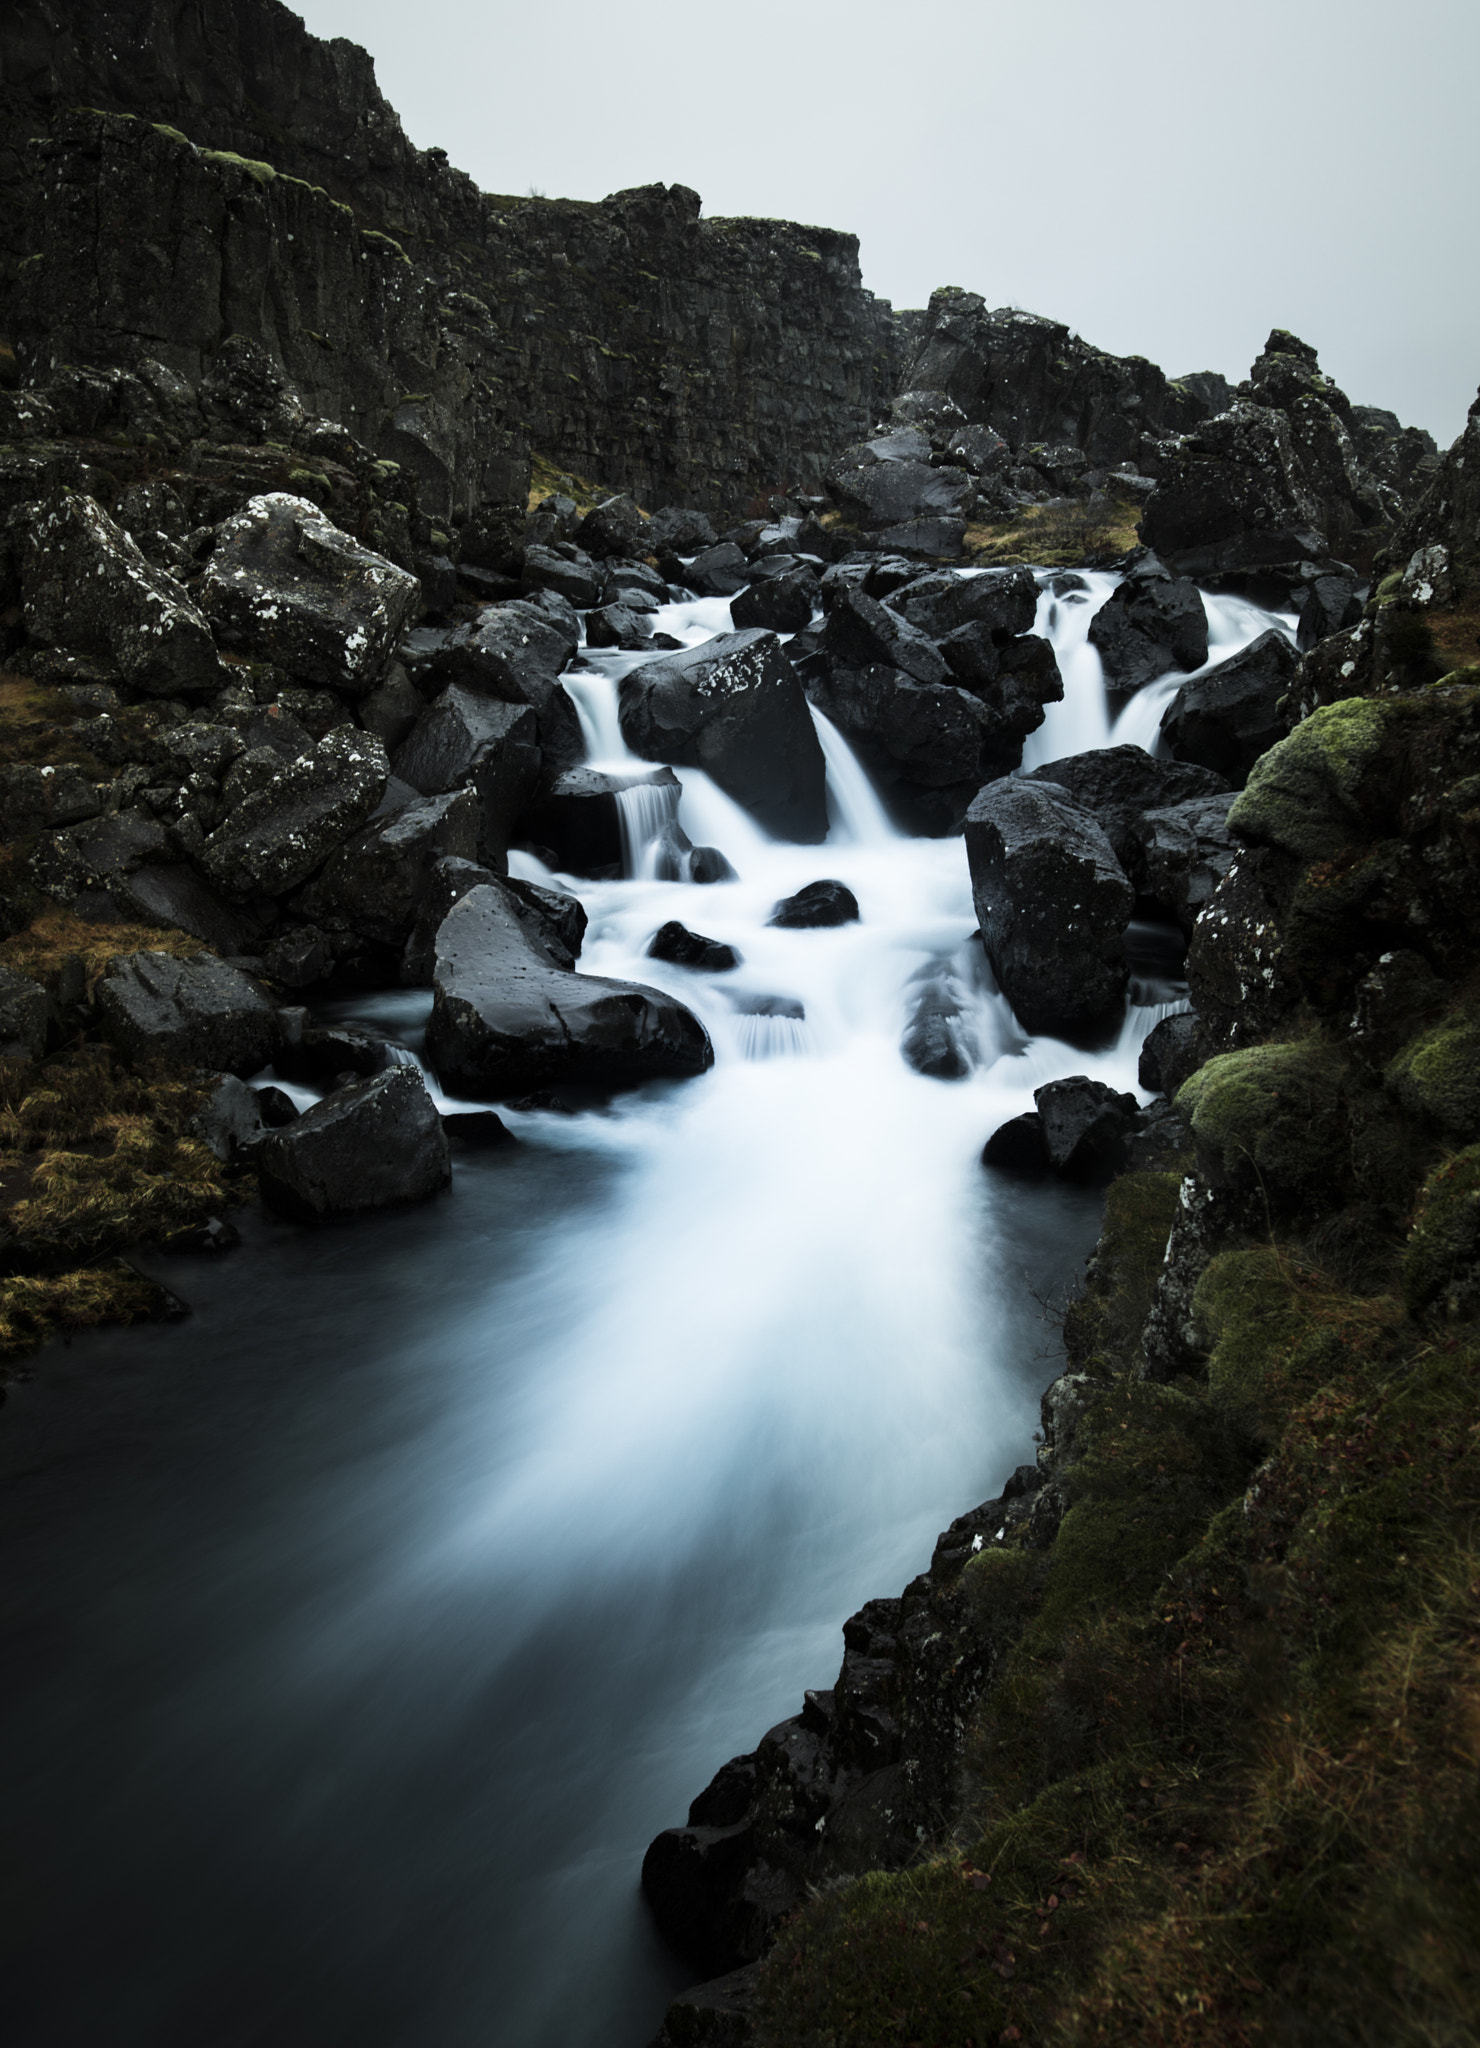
x,y
1103,1326
1271,1120
1248,1321
1437,1076
1441,1260
1306,794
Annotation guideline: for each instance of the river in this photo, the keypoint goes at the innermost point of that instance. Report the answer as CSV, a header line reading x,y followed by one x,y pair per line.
x,y
361,1629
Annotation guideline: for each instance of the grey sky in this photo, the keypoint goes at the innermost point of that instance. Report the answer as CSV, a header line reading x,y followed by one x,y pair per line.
x,y
1170,179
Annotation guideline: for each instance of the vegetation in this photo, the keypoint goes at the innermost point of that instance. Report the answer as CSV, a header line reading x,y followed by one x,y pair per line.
x,y
1068,533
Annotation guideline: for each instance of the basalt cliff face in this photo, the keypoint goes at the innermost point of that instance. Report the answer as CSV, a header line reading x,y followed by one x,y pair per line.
x,y
171,175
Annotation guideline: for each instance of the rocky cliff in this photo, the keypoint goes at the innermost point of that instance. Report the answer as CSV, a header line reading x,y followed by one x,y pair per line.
x,y
170,176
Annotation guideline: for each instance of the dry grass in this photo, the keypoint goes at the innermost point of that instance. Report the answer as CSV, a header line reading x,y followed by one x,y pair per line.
x,y
547,480
55,937
1071,533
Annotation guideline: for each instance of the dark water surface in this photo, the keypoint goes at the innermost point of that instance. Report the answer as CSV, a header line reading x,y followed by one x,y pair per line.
x,y
303,1749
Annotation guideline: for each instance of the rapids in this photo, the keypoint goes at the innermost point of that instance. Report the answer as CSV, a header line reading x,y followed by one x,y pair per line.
x,y
364,1627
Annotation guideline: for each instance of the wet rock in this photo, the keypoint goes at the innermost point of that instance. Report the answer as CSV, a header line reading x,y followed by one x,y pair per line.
x,y
579,818
483,1128
299,957
1018,1146
1181,854
281,830
87,588
712,2015
613,625
926,746
817,905
1120,785
675,943
708,864
230,1122
464,738
1003,601
570,571
372,1143
516,652
1229,717
735,708
447,884
860,632
199,1012
27,1014
780,604
1331,605
505,1020
634,584
1086,1126
276,1107
718,572
681,530
615,527
1151,623
936,1041
375,883
1053,902
285,585
1169,1053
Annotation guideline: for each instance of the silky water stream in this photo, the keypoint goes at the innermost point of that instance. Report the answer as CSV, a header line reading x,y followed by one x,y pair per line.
x,y
362,1629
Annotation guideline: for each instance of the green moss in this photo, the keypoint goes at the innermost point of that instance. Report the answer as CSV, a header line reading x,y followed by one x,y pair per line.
x,y
385,241
260,173
1248,1321
1305,794
1389,586
171,134
1103,1327
1270,1118
1437,1076
1441,1260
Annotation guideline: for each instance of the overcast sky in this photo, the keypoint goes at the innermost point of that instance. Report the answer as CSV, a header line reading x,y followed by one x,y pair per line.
x,y
1170,179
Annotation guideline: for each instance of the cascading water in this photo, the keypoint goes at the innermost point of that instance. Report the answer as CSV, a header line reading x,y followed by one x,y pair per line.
x,y
407,1604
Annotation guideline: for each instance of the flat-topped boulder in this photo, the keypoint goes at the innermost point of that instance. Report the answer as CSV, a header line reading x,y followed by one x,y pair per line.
x,y
506,1019
734,707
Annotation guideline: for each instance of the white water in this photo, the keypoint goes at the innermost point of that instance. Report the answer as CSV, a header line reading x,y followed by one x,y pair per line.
x,y
435,1564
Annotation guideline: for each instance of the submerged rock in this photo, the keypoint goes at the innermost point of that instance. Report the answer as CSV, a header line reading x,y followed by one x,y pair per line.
x,y
505,1019
372,1143
817,905
675,943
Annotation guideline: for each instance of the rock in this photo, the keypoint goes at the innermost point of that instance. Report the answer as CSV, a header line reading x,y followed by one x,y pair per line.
x,y
860,632
483,1128
464,738
176,898
1229,717
505,1020
198,1012
276,1107
1151,623
27,1014
1086,1126
575,576
634,584
580,817
1120,785
817,905
392,708
682,948
1018,1146
280,831
735,708
1181,854
374,884
1004,601
708,864
285,585
372,1143
615,527
299,957
86,587
1331,605
1169,1053
779,604
926,746
41,798
449,881
681,530
1053,902
1233,498
936,1041
230,1122
712,2015
717,572
888,487
322,1052
613,625
515,652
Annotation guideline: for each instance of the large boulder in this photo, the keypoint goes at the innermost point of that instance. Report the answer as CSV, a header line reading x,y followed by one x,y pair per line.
x,y
287,817
1150,623
515,652
1121,784
718,572
860,632
926,746
199,1012
888,486
374,1142
735,708
465,739
778,604
1004,601
1182,853
614,527
570,570
505,1019
285,585
1226,719
375,883
87,588
1053,902
1232,497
